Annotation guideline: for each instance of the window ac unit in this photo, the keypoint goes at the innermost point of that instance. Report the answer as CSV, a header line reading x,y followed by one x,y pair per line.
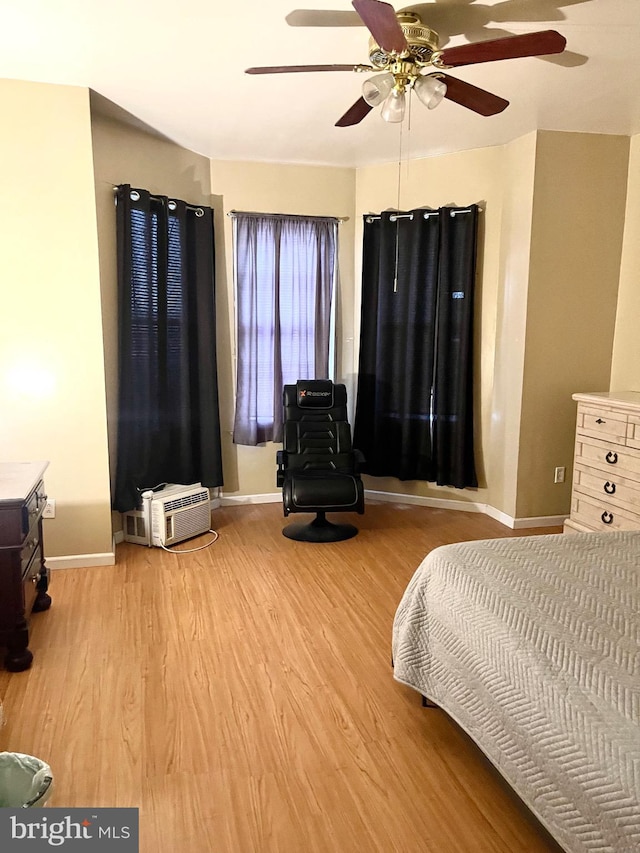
x,y
172,515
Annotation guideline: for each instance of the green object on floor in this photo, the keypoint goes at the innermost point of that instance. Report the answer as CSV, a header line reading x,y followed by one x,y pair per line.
x,y
25,781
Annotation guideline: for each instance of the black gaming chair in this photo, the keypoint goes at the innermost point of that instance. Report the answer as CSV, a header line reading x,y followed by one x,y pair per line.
x,y
317,467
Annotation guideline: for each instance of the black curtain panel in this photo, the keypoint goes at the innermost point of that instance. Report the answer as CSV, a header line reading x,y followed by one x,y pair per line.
x,y
168,420
414,413
453,379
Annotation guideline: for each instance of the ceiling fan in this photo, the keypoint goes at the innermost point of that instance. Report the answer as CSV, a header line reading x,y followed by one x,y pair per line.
x,y
405,52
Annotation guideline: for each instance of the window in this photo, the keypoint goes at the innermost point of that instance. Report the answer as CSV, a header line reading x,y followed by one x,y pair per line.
x,y
414,411
285,269
168,424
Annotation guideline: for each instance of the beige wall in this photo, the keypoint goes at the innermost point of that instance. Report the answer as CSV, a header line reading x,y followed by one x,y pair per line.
x,y
504,398
625,368
273,188
51,356
576,241
549,268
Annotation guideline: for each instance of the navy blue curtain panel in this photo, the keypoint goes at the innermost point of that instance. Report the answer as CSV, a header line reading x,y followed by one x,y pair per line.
x,y
414,408
168,419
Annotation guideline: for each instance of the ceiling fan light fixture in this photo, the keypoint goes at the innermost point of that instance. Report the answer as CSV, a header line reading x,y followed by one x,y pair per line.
x,y
393,107
430,90
376,89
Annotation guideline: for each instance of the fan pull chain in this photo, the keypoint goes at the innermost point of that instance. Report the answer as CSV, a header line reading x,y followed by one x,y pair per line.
x,y
397,247
399,215
395,272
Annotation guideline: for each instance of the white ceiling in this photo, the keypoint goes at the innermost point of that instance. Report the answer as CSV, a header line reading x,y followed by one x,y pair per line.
x,y
179,67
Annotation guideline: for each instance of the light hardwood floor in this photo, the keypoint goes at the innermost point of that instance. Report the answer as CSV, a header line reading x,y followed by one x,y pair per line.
x,y
242,697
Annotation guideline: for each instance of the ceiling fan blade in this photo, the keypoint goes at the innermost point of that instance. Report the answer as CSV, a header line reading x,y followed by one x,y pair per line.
x,y
479,100
355,113
380,19
512,47
288,69
322,18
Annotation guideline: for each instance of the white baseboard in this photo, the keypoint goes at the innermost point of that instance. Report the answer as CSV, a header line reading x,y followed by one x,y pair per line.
x,y
500,516
422,500
77,561
469,506
235,500
540,521
524,523
371,494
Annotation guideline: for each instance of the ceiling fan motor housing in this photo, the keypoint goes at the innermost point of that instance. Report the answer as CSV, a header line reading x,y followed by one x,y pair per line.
x,y
422,41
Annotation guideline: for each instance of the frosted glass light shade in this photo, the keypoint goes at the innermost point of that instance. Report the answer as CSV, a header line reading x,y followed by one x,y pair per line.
x,y
430,91
393,108
376,89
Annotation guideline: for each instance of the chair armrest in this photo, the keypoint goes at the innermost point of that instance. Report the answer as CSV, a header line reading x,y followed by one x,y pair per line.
x,y
358,460
281,459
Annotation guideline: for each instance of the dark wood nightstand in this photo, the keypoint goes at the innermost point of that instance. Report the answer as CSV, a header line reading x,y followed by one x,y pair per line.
x,y
24,578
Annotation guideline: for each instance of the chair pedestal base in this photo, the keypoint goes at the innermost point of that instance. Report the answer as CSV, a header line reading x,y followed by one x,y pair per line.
x,y
319,530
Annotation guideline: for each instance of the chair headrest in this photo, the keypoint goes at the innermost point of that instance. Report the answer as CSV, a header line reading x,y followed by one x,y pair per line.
x,y
315,393
315,398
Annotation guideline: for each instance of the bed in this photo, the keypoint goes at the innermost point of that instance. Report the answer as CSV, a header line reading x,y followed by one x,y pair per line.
x,y
532,645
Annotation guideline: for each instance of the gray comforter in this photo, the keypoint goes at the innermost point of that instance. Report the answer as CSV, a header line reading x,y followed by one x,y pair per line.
x,y
533,646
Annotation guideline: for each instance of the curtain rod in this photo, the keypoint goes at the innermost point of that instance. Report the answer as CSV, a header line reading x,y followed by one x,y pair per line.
x,y
234,213
135,196
427,213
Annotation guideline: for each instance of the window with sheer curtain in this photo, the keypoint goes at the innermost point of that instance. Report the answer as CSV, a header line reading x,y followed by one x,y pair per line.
x,y
285,269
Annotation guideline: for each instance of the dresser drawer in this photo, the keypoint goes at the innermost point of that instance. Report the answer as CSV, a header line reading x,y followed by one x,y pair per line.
x,y
600,515
28,549
605,492
33,507
610,486
633,431
30,579
24,578
17,518
613,459
599,423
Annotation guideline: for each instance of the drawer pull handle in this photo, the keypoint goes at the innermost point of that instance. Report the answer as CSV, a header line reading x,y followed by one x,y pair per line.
x,y
600,421
607,517
610,488
611,457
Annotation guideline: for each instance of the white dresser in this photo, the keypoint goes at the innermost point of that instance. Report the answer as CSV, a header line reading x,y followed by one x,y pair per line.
x,y
606,468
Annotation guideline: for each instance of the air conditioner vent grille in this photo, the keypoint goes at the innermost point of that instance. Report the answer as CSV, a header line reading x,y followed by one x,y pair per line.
x,y
186,524
186,500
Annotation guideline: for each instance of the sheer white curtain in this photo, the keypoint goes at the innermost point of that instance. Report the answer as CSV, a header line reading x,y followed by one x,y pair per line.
x,y
285,268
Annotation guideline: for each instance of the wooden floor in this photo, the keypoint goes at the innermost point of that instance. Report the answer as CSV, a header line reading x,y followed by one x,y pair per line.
x,y
242,697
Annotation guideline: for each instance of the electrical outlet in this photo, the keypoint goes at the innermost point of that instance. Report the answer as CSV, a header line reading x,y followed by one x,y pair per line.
x,y
558,476
50,508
